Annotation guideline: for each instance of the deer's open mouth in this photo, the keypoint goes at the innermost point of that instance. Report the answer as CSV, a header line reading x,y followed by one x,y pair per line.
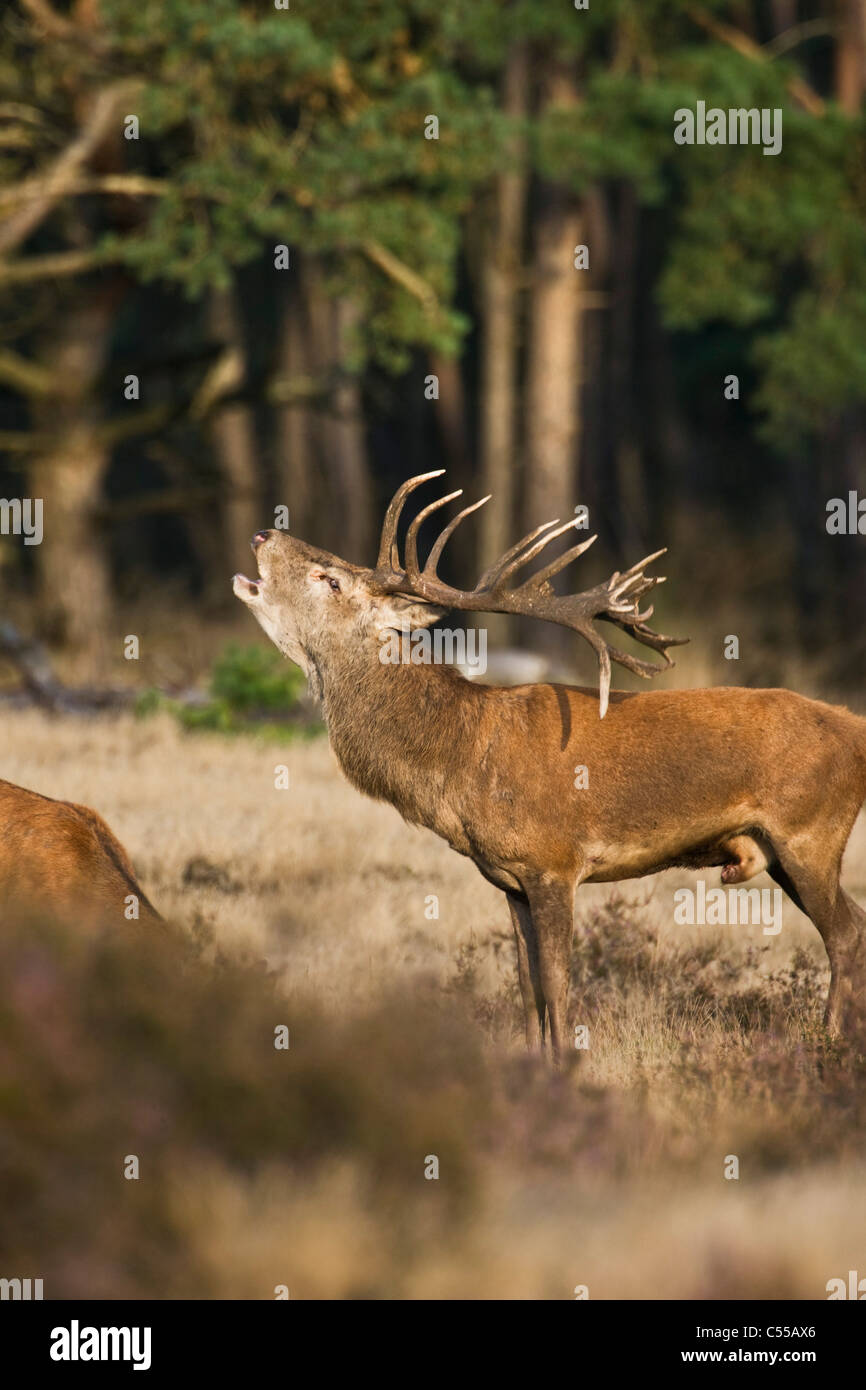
x,y
244,588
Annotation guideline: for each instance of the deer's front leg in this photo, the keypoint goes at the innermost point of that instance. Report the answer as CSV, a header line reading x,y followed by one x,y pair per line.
x,y
552,906
528,971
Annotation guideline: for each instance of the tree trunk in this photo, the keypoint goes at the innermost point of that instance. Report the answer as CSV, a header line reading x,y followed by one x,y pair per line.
x,y
500,298
455,455
233,433
500,295
346,444
451,418
668,446
626,456
295,469
555,340
343,518
72,570
554,349
851,54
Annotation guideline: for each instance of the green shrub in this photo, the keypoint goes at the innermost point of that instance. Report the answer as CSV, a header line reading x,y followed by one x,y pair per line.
x,y
251,689
249,679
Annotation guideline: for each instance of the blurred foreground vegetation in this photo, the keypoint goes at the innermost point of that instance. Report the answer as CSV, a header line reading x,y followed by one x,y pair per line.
x,y
305,1167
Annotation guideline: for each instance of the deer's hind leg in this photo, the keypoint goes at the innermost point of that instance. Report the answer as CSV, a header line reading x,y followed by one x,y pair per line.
x,y
846,1005
814,878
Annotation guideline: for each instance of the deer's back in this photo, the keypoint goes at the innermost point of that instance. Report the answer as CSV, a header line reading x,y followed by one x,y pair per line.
x,y
61,857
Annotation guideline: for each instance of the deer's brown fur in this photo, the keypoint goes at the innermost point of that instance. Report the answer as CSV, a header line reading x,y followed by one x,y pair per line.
x,y
695,778
61,859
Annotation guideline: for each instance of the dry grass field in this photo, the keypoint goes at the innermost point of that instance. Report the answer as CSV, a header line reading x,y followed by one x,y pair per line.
x,y
310,907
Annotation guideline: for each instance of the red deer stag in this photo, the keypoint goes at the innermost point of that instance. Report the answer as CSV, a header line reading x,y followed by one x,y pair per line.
x,y
62,859
745,779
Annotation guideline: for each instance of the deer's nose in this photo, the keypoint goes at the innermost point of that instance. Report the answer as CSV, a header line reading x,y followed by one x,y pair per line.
x,y
258,538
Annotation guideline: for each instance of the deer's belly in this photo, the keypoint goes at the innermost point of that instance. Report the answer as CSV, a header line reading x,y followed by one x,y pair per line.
x,y
734,849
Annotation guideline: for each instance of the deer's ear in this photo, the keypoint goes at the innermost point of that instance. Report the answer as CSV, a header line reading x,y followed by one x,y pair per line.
x,y
407,614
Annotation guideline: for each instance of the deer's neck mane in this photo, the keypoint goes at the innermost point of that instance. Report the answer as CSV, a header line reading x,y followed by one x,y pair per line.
x,y
401,732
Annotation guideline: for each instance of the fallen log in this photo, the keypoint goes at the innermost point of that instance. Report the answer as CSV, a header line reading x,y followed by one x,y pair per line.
x,y
41,686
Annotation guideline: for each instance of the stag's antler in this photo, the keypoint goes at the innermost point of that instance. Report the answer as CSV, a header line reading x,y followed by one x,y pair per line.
x,y
616,601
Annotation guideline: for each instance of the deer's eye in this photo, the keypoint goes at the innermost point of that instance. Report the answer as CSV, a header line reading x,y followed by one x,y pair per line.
x,y
334,583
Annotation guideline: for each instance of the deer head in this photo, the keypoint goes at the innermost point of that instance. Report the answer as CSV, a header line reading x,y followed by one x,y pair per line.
x,y
309,602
